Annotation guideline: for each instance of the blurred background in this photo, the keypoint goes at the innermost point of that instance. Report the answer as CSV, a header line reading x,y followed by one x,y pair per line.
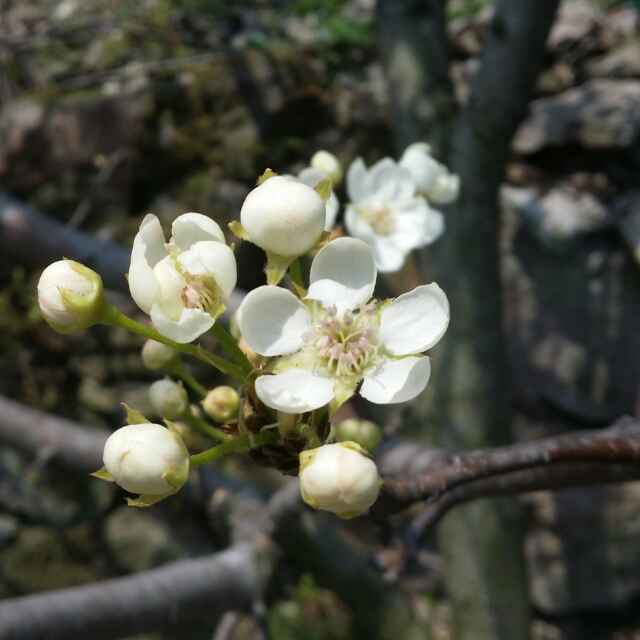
x,y
110,110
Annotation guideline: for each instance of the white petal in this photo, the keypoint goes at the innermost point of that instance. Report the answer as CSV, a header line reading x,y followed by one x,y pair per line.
x,y
190,228
389,257
416,225
212,259
415,321
295,391
393,183
378,174
148,250
273,321
191,323
357,180
343,274
332,206
397,380
171,285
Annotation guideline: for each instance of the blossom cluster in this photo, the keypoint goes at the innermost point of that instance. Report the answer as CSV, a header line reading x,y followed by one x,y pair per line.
x,y
300,346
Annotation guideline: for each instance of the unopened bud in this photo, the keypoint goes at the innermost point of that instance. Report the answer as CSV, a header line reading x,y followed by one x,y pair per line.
x,y
70,296
147,459
328,164
445,189
156,355
339,478
222,403
366,433
283,216
168,398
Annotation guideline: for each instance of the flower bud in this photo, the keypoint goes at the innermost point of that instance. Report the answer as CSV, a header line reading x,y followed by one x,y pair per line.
x,y
222,403
283,216
146,459
70,296
328,164
339,478
364,432
168,398
156,355
445,189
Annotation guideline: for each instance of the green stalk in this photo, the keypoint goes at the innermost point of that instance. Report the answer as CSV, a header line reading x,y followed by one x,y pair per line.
x,y
230,346
237,445
113,316
295,272
204,427
180,372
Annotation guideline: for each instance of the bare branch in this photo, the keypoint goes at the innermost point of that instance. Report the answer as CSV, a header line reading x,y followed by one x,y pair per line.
x,y
587,457
185,591
72,445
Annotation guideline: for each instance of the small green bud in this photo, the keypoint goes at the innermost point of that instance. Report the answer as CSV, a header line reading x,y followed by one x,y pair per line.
x,y
168,398
222,403
156,355
366,433
70,296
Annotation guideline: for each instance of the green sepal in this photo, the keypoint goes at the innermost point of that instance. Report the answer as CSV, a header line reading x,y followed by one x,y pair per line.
x,y
134,416
266,174
324,188
343,391
103,474
238,230
277,266
147,500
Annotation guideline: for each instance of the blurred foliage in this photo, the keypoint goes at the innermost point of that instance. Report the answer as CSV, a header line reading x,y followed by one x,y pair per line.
x,y
312,613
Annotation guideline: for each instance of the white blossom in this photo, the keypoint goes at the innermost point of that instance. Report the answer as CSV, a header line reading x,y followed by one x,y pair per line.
x,y
431,178
329,165
283,216
147,459
313,177
339,478
182,285
387,212
70,296
168,398
336,338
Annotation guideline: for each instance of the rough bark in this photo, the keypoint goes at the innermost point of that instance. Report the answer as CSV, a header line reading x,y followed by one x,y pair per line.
x,y
482,542
414,50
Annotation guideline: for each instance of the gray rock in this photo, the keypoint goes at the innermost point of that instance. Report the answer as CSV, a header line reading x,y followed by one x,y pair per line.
x,y
576,20
622,62
599,114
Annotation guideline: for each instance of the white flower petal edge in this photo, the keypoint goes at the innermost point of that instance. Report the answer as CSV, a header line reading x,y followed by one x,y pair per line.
x,y
343,274
415,321
191,227
357,188
148,250
395,381
205,258
273,321
189,325
295,391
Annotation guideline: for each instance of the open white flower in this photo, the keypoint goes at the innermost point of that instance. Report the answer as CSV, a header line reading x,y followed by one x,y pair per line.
x,y
312,177
339,478
431,178
182,285
336,338
387,213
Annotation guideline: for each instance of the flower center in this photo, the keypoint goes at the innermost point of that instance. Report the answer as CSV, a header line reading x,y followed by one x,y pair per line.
x,y
346,344
201,293
379,218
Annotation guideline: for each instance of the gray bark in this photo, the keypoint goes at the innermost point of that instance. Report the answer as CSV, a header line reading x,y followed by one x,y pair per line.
x,y
470,400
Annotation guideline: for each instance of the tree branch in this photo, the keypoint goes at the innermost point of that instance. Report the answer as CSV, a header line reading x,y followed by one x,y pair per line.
x,y
182,592
586,457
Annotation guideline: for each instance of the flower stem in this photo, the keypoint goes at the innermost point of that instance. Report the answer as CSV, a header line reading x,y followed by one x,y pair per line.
x,y
204,427
180,372
113,316
237,445
230,345
295,272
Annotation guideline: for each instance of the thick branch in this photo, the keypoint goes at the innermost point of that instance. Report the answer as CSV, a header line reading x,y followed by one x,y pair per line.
x,y
586,457
186,591
60,440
